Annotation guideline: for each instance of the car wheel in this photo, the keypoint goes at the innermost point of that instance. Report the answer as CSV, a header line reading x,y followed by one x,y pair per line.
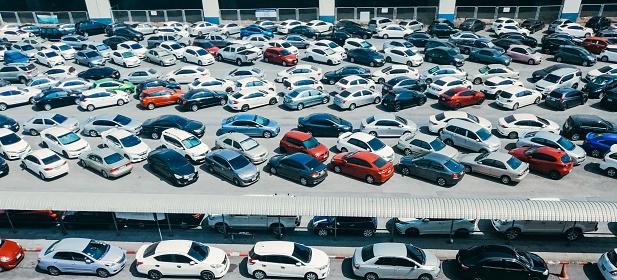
x,y
573,234
3,106
31,100
397,107
429,59
52,270
344,150
65,154
513,135
373,133
554,174
352,60
364,36
303,181
90,107
322,232
480,101
47,107
478,277
258,274
371,276
236,182
42,176
456,106
93,133
441,181
368,232
267,134
512,233
405,171
352,106
611,172
575,136
300,107
150,106
531,62
377,100
337,169
604,58
515,107
244,108
421,102
462,232
381,80
154,274
33,132
558,59
585,63
155,136
428,81
370,179
506,179
372,64
425,277
103,273
239,62
468,169
310,276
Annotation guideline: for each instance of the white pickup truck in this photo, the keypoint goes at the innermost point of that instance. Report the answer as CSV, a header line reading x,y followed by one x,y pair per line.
x,y
277,224
238,53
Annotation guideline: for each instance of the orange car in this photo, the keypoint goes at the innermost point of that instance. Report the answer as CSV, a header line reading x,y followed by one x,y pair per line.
x,y
280,56
159,96
364,165
11,254
302,142
595,44
458,97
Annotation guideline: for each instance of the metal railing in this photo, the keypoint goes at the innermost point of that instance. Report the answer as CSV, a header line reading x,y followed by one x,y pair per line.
x,y
422,14
302,14
590,10
43,17
188,15
544,13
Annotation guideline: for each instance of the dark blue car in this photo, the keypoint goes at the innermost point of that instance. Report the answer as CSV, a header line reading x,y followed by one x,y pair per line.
x,y
15,57
325,225
597,144
254,29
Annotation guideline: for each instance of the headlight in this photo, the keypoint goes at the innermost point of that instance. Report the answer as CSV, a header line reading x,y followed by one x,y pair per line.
x,y
245,177
110,264
323,267
177,176
216,266
5,259
545,272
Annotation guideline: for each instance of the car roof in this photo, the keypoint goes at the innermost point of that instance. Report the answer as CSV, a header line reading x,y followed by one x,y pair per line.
x,y
296,78
177,132
42,153
493,251
585,117
437,157
226,154
244,117
499,156
296,134
249,79
547,135
104,152
72,244
361,136
274,248
524,116
365,155
564,71
448,78
384,116
389,250
236,136
464,124
172,246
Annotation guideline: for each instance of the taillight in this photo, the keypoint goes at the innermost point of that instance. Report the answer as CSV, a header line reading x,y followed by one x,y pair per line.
x,y
184,102
128,164
197,216
113,170
291,88
464,267
364,126
614,272
561,99
472,221
235,102
344,101
356,266
504,126
455,176
314,175
111,75
318,74
48,169
343,88
439,89
139,263
251,261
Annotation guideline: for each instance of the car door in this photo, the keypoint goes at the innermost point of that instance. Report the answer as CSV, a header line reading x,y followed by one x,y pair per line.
x,y
467,98
83,263
64,261
53,143
294,146
494,269
165,264
353,167
420,168
405,269
384,267
498,169
289,268
220,166
95,162
183,265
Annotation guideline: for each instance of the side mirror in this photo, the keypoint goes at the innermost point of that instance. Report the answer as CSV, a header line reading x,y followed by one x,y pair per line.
x,y
192,263
298,264
477,140
88,260
425,220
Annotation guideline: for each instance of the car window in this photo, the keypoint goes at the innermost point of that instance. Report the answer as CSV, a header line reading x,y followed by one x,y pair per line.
x,y
164,258
385,261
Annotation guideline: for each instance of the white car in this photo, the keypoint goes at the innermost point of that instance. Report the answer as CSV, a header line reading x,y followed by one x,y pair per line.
x,y
511,29
520,124
321,26
437,122
503,21
334,46
609,54
186,74
287,259
411,24
13,96
300,70
443,84
173,47
609,163
74,84
133,46
515,97
65,50
610,69
323,55
403,55
197,55
244,72
497,83
202,27
422,144
42,82
360,141
249,98
214,84
248,46
64,142
101,97
398,43
145,28
125,143
464,35
60,72
125,58
12,146
355,43
395,261
295,82
353,81
254,83
181,258
14,35
184,143
384,74
284,26
439,71
392,31
103,49
606,263
45,164
355,96
49,57
574,29
175,24
171,31
258,40
281,44
229,28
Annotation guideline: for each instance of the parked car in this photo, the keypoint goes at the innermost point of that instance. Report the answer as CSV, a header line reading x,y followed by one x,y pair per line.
x,y
545,138
364,165
472,24
11,96
515,97
456,98
304,97
355,96
575,54
19,72
609,100
12,146
418,39
251,125
426,226
107,162
324,55
442,55
173,166
154,127
99,72
598,23
513,126
302,142
54,98
331,77
325,225
243,144
125,143
232,166
324,124
248,98
185,143
441,30
554,162
160,56
470,136
433,167
500,165
42,121
360,141
577,126
81,255
439,71
298,167
384,125
574,29
423,144
98,98
501,261
438,121
564,98
198,98
45,164
446,83
139,76
280,55
402,98
159,96
267,256
382,260
562,78
95,126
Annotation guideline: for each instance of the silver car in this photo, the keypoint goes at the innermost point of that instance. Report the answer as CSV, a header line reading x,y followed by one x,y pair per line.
x,y
470,136
387,125
233,166
94,126
139,76
243,144
356,96
245,72
145,28
161,57
103,49
107,162
81,255
43,121
549,139
304,97
439,71
73,84
499,165
42,82
607,264
422,226
492,70
395,261
298,41
25,48
89,58
423,144
76,41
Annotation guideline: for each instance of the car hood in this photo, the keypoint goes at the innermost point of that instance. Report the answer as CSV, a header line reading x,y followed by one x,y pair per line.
x,y
275,159
81,143
545,84
215,256
591,87
319,150
449,151
10,249
199,149
485,123
386,152
16,147
493,141
282,73
193,125
319,258
538,263
257,151
70,124
184,170
577,152
431,259
115,255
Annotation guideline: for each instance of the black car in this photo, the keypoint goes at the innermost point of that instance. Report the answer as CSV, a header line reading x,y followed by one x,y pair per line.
x,y
358,31
435,43
597,87
472,24
505,43
468,46
89,27
198,98
366,56
442,55
324,225
324,124
97,73
609,34
173,166
344,23
85,219
154,127
130,33
111,29
403,82
307,31
598,23
500,262
331,77
152,84
4,167
9,123
418,39
577,126
55,97
558,35
552,45
533,25
434,167
540,74
53,33
113,41
526,40
565,98
609,100
298,167
402,98
337,36
28,218
183,221
441,30
443,21
575,54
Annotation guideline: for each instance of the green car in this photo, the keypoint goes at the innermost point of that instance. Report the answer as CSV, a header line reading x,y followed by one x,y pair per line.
x,y
109,83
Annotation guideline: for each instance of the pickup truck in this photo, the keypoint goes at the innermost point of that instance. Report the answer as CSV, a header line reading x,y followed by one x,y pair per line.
x,y
277,224
469,46
237,53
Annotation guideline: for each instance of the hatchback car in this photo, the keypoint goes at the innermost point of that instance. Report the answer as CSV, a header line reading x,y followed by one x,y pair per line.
x,y
154,127
577,126
12,252
243,144
364,165
301,142
469,135
515,97
232,166
459,97
125,143
298,167
159,96
107,162
187,144
501,262
251,125
547,160
500,165
172,166
287,259
280,56
324,124
434,167
422,144
575,54
403,98
545,138
565,98
395,261
81,255
442,55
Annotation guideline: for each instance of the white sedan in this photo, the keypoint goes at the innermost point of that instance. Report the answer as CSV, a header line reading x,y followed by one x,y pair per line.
x,y
100,97
49,57
334,46
503,21
497,83
323,55
515,97
403,55
65,50
125,58
125,143
384,74
354,43
511,29
173,47
42,82
171,31
304,70
214,84
186,74
321,26
392,31
284,26
74,84
64,142
202,27
413,25
60,72
516,125
464,35
254,83
12,95
353,81
45,164
12,146
574,29
610,69
133,46
249,98
258,40
360,141
15,35
439,121
443,84
197,55
229,28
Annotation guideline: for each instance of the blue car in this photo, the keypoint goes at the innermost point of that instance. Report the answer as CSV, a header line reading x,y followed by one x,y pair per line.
x,y
254,29
597,144
251,125
15,57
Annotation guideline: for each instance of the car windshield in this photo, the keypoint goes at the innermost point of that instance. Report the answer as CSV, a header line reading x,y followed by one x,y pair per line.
x,y
174,46
433,70
249,144
365,44
68,138
9,139
201,52
345,94
440,82
302,253
27,47
530,50
102,47
380,162
51,159
59,118
415,254
376,144
484,69
113,158
552,78
136,46
64,47
128,54
600,80
409,52
504,94
514,163
566,144
51,54
484,134
130,141
451,52
191,142
91,54
198,251
238,162
310,143
261,120
285,52
96,249
437,145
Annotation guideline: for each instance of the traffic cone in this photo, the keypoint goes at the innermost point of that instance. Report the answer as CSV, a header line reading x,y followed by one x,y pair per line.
x,y
564,273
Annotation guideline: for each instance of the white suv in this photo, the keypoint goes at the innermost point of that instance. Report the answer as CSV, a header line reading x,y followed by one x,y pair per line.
x,y
561,78
609,162
287,259
185,143
12,146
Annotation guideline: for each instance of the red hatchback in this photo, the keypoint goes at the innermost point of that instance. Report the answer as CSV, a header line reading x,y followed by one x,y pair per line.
x,y
459,97
280,56
363,165
11,253
302,142
554,162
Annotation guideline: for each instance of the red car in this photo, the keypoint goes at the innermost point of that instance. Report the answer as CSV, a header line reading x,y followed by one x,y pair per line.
x,y
459,97
302,142
159,96
280,56
364,165
28,218
595,44
554,162
11,253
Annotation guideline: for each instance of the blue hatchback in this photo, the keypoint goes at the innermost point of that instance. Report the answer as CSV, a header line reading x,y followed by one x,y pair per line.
x,y
597,144
251,125
15,57
254,29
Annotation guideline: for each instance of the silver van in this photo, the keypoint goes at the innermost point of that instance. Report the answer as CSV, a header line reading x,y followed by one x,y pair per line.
x,y
469,135
560,78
